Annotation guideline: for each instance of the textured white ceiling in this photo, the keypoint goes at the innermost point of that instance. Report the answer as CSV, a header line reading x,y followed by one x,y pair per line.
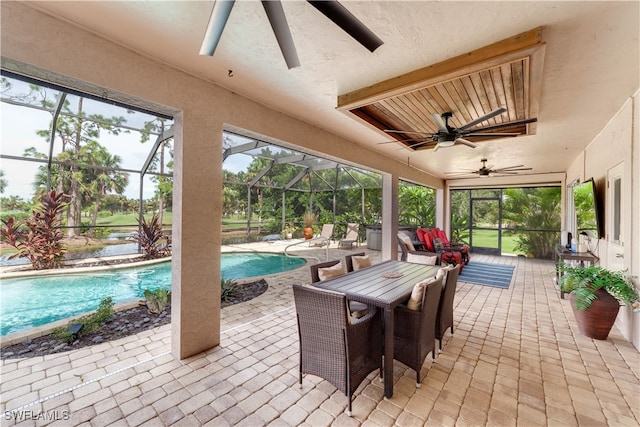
x,y
591,63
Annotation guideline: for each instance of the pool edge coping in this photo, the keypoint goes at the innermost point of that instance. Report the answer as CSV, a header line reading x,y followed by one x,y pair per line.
x,y
46,329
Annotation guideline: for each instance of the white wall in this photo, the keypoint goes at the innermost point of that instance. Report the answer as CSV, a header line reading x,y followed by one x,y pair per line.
x,y
618,142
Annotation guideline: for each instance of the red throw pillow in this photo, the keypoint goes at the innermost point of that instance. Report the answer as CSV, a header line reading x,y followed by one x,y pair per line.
x,y
428,241
440,234
420,232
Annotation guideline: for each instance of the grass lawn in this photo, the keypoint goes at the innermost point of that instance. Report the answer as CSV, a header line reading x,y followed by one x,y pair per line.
x,y
488,239
130,219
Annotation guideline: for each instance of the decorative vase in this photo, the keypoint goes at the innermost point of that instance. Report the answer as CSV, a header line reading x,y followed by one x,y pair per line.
x,y
597,320
308,233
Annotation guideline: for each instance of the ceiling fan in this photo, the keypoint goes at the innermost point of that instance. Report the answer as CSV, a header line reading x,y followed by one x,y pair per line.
x,y
273,8
448,136
486,171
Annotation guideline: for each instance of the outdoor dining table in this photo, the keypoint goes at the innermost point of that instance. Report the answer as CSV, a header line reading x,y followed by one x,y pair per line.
x,y
385,286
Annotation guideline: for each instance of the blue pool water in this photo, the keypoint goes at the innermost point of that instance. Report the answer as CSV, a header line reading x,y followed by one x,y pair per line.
x,y
33,301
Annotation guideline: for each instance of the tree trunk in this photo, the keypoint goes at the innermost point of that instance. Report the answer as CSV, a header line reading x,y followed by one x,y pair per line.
x,y
94,217
72,219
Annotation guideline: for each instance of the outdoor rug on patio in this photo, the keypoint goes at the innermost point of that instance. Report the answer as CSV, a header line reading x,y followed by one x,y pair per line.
x,y
480,273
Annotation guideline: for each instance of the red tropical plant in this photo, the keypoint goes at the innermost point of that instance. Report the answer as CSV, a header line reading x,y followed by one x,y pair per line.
x,y
152,239
39,237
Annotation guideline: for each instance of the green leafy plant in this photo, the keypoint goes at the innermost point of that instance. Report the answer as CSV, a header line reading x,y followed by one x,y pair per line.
x,y
535,215
157,299
289,228
39,237
584,281
152,239
89,322
228,290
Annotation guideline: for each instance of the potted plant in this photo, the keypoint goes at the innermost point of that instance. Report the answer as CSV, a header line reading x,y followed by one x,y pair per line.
x,y
596,296
288,230
309,219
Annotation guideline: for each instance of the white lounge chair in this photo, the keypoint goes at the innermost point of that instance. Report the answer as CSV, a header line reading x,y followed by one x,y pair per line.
x,y
324,239
351,237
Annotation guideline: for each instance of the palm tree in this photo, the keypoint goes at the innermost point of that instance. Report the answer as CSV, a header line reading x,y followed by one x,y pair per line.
x,y
537,211
75,129
104,180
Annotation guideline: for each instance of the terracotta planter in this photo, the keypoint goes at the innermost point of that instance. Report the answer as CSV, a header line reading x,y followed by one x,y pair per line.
x,y
308,233
597,320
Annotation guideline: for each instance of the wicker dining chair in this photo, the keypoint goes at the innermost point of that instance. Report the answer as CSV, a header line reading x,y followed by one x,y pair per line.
x,y
313,268
357,308
348,260
334,346
414,330
444,319
406,250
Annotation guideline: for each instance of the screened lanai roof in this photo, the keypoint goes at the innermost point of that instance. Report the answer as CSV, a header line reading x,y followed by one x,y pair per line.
x,y
272,166
135,136
130,135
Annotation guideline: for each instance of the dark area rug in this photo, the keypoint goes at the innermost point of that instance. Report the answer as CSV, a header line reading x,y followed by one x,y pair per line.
x,y
480,273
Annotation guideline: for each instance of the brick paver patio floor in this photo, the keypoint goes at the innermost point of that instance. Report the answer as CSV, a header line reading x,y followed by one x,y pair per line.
x,y
516,358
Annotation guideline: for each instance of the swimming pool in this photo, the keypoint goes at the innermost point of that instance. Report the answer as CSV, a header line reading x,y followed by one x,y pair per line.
x,y
33,301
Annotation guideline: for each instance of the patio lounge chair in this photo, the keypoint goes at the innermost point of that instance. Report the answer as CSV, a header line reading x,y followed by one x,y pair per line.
x,y
444,318
414,330
333,345
450,252
350,237
324,239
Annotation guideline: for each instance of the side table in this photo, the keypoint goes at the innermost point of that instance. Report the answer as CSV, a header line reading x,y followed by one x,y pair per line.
x,y
562,254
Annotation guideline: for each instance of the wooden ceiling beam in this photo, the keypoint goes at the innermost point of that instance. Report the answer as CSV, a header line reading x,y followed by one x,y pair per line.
x,y
508,50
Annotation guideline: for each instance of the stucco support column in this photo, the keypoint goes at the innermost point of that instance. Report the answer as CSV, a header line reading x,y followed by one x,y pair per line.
x,y
389,217
443,208
197,204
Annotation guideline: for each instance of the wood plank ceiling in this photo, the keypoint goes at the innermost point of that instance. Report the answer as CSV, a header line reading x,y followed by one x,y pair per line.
x,y
505,74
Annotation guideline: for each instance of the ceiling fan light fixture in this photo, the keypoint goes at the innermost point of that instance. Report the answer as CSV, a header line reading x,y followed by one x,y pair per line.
x,y
443,142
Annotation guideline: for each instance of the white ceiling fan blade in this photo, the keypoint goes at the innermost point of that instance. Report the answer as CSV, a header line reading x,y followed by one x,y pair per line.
x,y
465,142
494,113
219,16
280,27
442,126
436,147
